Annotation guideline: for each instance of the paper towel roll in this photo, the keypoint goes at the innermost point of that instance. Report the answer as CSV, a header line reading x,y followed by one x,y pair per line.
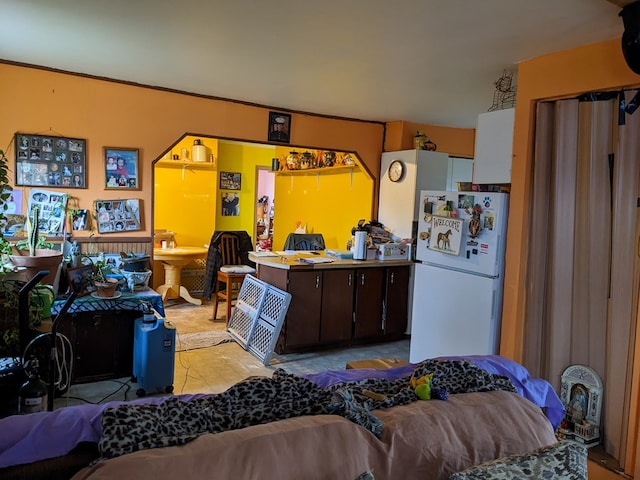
x,y
360,245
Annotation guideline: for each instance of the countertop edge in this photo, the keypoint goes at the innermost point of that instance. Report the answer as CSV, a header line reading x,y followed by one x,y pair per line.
x,y
290,262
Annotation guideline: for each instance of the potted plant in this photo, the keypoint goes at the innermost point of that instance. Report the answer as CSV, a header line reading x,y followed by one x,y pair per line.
x,y
35,253
103,278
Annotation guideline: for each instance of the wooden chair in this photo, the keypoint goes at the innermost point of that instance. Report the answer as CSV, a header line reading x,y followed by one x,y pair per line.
x,y
231,273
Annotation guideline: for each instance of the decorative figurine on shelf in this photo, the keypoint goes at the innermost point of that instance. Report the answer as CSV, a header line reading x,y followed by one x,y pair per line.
x,y
293,160
422,142
329,158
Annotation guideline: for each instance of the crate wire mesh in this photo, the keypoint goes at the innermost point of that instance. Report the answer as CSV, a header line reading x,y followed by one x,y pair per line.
x,y
258,317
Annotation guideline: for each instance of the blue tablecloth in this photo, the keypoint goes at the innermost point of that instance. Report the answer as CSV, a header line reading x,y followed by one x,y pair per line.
x,y
126,301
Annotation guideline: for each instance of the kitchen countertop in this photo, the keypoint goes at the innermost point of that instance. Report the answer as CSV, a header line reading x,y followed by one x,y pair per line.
x,y
292,262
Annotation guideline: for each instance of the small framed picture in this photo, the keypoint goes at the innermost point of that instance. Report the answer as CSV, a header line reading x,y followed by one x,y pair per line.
x,y
230,204
121,169
79,279
118,216
279,127
230,180
80,219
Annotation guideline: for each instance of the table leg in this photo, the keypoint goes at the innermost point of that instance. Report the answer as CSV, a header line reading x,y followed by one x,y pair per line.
x,y
164,291
184,293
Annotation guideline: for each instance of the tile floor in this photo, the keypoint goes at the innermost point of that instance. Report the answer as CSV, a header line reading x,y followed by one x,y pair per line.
x,y
214,369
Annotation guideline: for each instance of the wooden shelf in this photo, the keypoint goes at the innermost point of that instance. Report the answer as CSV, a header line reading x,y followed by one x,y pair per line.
x,y
186,164
337,169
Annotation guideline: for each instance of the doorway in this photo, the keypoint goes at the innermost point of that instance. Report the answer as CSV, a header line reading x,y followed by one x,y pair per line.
x,y
265,209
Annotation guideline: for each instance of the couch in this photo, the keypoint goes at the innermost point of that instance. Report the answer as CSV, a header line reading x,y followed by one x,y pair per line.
x,y
339,424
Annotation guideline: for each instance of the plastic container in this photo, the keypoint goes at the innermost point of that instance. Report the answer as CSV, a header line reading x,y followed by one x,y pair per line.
x,y
198,151
154,348
360,245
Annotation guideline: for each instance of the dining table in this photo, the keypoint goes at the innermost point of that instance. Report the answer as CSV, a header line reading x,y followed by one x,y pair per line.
x,y
174,260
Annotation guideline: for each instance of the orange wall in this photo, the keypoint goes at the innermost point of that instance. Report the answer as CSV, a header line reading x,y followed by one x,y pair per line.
x,y
122,115
107,113
457,142
565,74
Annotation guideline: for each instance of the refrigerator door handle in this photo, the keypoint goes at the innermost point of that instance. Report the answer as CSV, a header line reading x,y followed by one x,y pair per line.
x,y
493,303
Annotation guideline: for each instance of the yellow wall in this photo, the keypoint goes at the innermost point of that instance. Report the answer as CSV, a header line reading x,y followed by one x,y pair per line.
x,y
327,203
242,158
184,201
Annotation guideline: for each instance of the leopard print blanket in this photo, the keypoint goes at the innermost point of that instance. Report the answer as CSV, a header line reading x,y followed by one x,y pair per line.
x,y
128,428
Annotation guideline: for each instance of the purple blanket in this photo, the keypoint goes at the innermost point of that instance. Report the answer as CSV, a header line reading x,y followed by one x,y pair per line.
x,y
38,436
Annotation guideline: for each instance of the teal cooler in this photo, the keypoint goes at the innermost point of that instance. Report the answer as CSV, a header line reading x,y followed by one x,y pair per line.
x,y
154,349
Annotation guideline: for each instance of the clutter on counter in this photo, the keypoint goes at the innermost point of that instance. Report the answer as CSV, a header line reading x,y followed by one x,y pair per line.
x,y
372,241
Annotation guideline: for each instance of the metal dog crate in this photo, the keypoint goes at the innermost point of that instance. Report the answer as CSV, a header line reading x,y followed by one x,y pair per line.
x,y
258,317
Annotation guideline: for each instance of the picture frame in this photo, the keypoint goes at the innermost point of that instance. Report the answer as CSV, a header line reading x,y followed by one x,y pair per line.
x,y
80,219
79,279
230,181
51,210
121,168
50,161
118,216
446,234
279,127
230,204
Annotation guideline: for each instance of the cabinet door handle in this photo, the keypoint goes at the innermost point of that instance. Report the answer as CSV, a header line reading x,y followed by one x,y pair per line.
x,y
317,281
350,279
362,279
392,274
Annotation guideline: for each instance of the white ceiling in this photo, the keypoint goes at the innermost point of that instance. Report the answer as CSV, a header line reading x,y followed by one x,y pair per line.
x,y
427,61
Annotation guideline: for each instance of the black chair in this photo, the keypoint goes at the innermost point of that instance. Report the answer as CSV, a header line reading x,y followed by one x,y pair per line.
x,y
304,241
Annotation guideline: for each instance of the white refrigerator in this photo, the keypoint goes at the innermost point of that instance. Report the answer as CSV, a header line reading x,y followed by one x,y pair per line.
x,y
458,281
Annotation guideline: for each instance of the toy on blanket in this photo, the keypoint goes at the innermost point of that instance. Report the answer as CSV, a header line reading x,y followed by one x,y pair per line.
x,y
424,390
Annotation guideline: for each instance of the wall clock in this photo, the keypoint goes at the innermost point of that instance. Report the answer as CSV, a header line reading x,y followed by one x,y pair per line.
x,y
396,171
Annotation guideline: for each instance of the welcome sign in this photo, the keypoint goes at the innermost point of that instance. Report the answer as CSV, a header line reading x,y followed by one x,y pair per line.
x,y
446,235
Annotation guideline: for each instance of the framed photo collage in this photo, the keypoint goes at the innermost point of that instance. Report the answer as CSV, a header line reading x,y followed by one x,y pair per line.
x,y
56,161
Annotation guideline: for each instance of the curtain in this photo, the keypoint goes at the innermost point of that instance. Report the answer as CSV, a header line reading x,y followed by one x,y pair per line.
x,y
582,267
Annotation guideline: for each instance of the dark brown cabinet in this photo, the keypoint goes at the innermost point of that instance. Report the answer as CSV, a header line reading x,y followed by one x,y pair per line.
x,y
368,308
340,305
306,288
102,343
395,309
336,323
